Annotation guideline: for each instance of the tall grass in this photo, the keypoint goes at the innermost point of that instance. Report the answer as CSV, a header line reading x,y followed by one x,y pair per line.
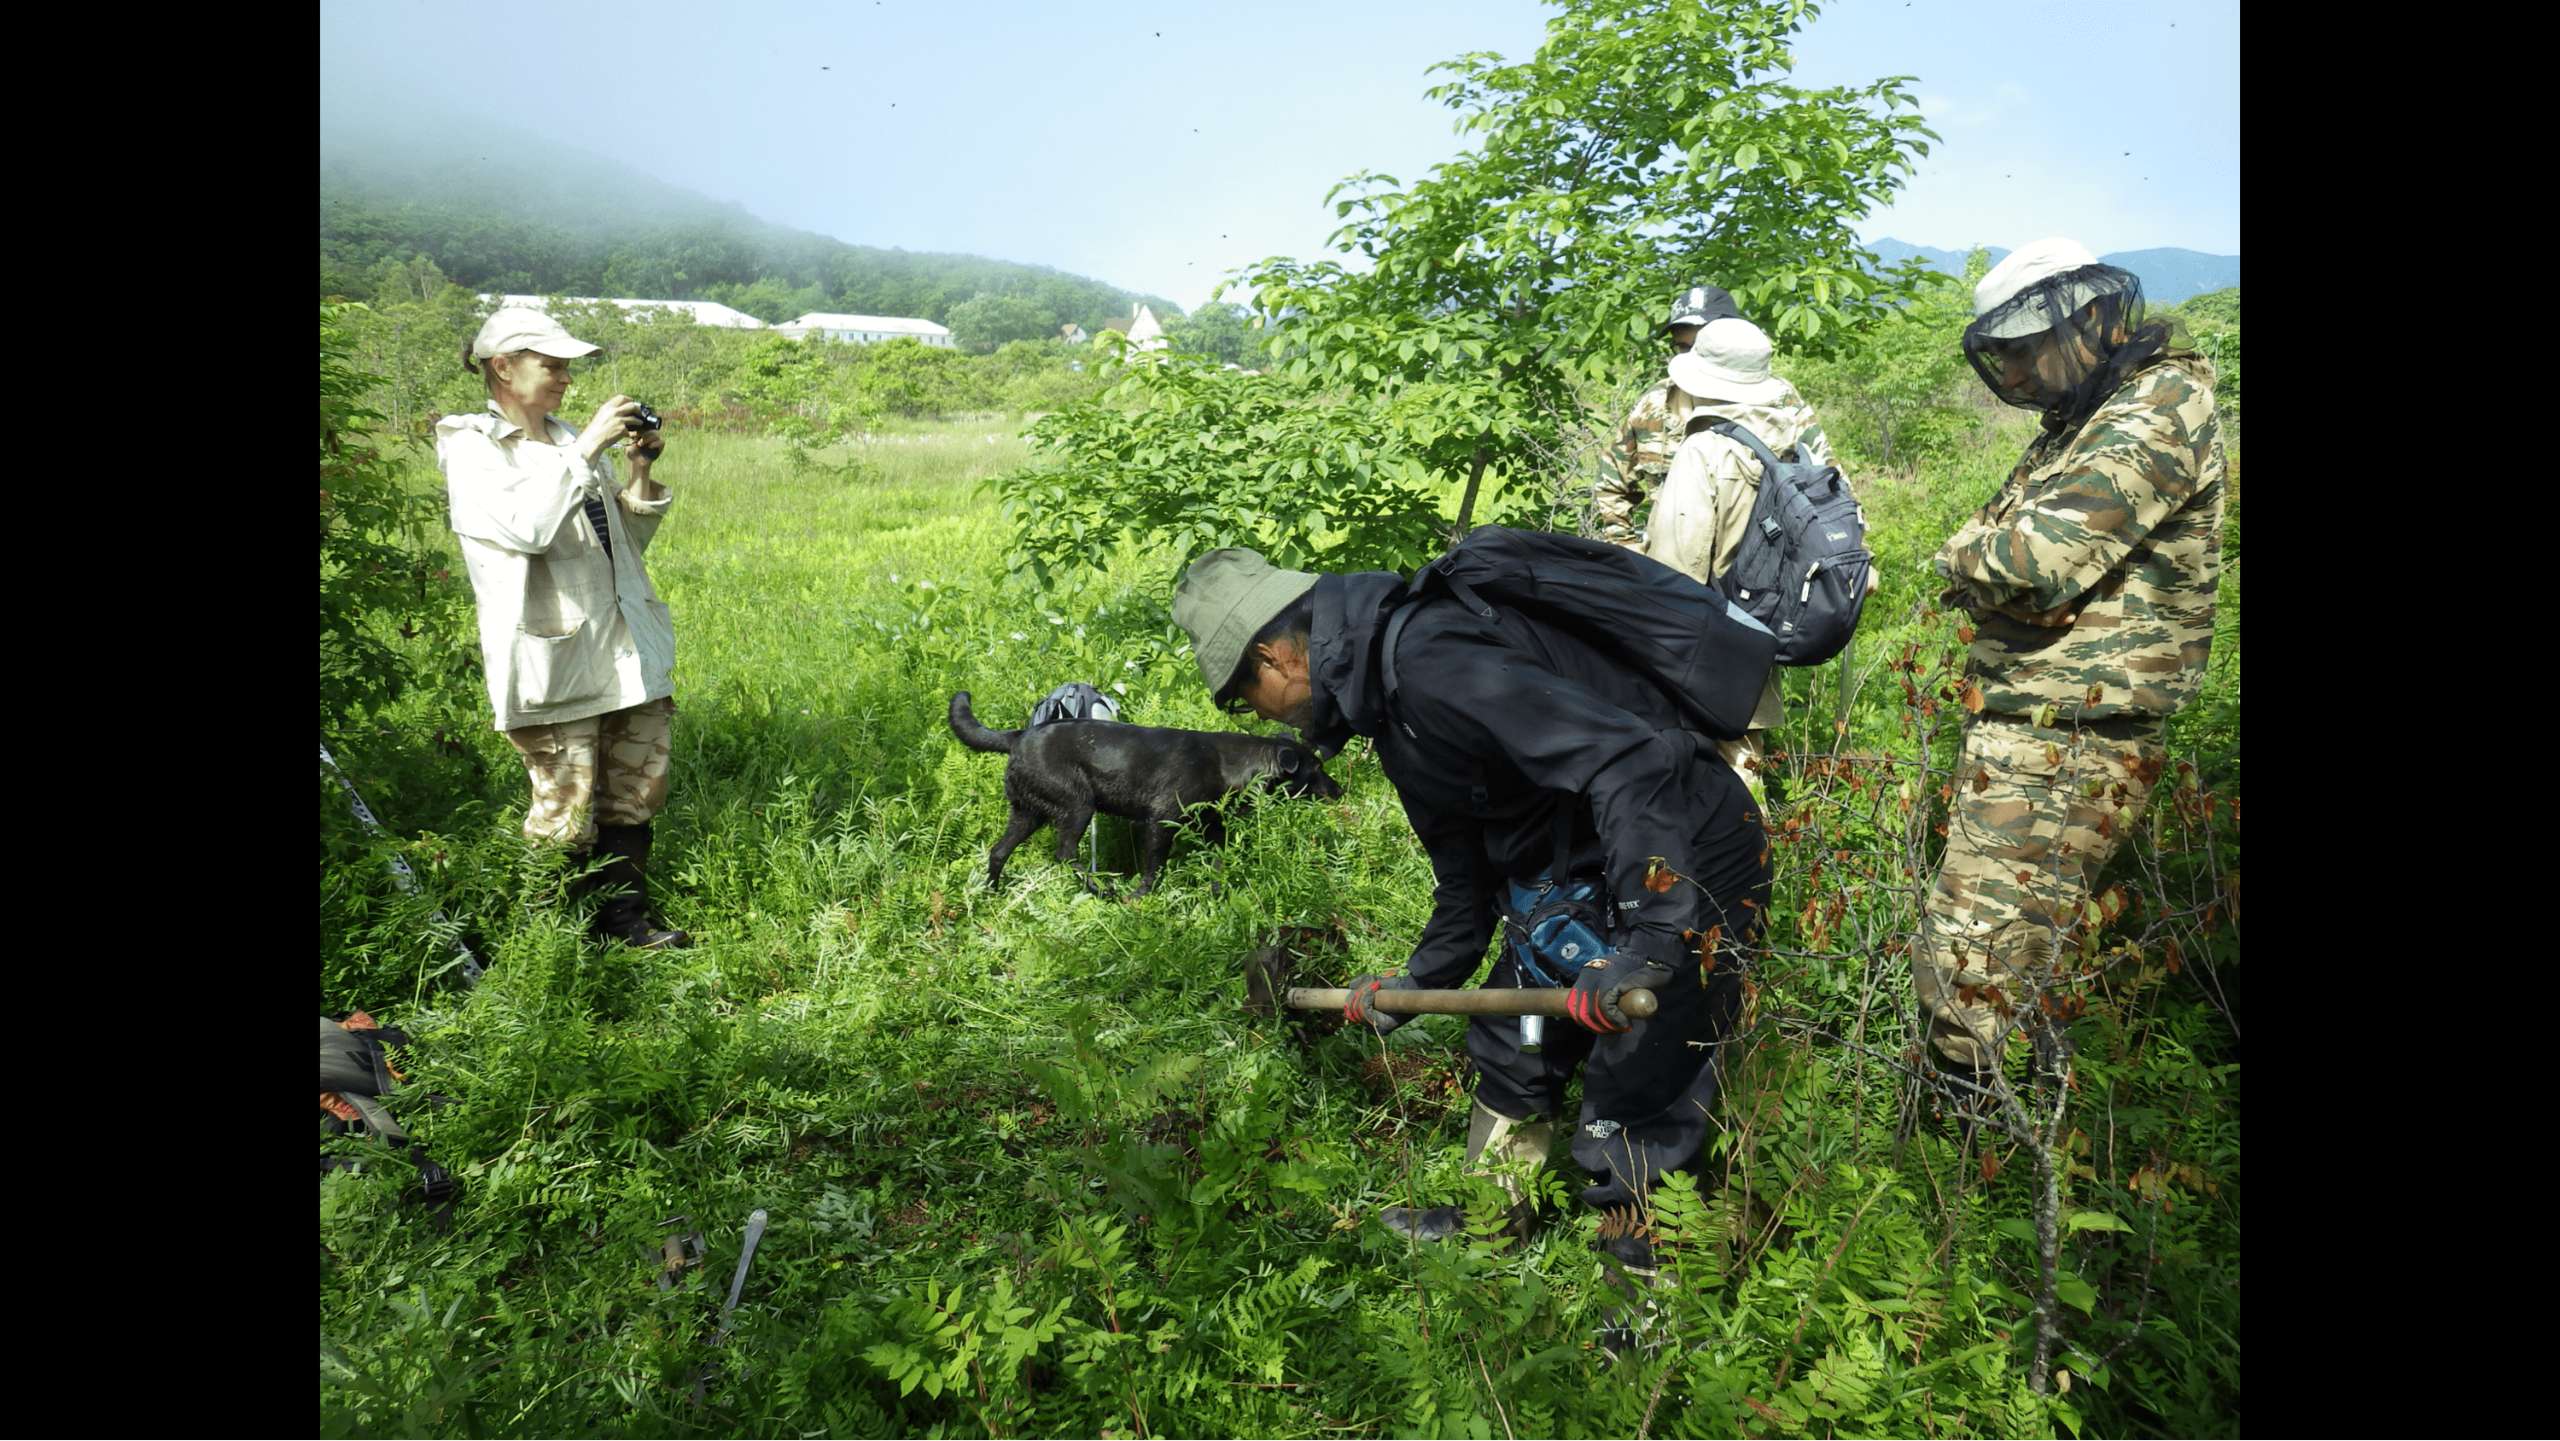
x,y
945,1095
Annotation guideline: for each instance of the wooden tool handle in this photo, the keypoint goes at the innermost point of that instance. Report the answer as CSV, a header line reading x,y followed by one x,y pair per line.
x,y
1636,1001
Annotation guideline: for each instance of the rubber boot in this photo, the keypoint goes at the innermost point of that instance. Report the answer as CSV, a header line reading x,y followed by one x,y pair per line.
x,y
1968,1092
1516,1148
624,914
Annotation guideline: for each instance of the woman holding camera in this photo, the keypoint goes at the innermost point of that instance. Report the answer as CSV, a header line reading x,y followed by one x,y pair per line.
x,y
578,648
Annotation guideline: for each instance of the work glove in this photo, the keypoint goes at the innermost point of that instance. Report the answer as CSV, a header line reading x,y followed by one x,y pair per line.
x,y
1363,987
1593,1002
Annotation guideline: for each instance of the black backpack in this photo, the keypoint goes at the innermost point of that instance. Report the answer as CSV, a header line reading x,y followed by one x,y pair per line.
x,y
1700,648
1802,568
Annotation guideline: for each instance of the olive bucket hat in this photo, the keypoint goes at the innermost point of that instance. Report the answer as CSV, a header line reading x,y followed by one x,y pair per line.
x,y
1223,598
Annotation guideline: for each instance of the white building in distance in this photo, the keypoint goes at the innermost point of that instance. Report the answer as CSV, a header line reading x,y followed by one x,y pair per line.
x,y
865,329
1144,332
704,312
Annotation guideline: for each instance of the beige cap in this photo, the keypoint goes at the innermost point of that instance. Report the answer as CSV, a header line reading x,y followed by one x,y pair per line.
x,y
1729,361
521,327
2030,265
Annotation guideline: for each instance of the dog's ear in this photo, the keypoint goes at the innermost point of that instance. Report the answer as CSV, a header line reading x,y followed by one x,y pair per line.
x,y
1288,760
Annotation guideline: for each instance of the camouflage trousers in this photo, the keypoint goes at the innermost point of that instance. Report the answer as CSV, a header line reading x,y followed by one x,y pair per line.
x,y
2025,844
610,769
1617,497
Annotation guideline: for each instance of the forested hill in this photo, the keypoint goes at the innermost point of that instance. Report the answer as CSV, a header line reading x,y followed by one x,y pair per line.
x,y
554,220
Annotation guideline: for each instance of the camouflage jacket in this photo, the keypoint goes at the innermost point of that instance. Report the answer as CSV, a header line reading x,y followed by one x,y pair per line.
x,y
2097,562
1651,434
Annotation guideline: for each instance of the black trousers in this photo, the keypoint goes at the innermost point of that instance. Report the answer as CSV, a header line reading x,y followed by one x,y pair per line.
x,y
1647,1091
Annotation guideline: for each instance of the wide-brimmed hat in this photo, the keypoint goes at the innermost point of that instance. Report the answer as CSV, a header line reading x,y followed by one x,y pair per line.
x,y
521,327
1226,596
1729,361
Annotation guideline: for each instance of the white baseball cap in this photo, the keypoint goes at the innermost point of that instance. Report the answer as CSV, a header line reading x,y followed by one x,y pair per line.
x,y
2029,266
521,327
1729,361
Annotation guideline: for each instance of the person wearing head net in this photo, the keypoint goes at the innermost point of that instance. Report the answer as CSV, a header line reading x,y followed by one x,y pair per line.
x,y
2090,580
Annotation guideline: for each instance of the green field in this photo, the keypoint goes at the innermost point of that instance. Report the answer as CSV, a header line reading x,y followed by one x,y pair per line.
x,y
1030,1167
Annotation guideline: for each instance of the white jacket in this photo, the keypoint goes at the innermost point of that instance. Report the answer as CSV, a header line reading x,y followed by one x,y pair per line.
x,y
566,631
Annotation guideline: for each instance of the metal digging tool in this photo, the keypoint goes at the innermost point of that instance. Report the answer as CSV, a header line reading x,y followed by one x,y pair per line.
x,y
737,1283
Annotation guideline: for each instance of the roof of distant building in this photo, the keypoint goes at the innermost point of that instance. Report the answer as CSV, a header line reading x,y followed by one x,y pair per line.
x,y
892,324
704,312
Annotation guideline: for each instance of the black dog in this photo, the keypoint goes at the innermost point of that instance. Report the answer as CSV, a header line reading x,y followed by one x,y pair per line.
x,y
1064,772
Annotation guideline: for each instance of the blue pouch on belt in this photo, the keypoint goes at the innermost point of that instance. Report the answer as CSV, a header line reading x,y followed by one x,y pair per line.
x,y
1554,931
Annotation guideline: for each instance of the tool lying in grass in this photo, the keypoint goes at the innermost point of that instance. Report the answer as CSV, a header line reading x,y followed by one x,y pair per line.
x,y
737,1283
680,1251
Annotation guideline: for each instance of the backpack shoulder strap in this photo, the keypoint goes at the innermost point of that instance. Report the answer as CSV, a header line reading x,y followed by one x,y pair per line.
x,y
1734,430
1756,566
1387,660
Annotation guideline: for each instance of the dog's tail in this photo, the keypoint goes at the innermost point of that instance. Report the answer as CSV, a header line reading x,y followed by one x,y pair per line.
x,y
973,735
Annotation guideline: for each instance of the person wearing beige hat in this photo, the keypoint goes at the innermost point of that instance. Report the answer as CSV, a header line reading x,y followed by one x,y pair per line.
x,y
1520,750
575,643
1704,508
2090,578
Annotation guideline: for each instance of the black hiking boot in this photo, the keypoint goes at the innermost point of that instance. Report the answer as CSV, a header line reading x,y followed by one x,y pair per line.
x,y
624,914
1424,1223
1633,1273
1439,1223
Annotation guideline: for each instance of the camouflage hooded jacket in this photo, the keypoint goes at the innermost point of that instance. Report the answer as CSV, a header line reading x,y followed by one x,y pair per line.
x,y
2097,562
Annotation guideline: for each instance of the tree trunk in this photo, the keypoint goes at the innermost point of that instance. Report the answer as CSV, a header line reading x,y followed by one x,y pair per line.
x,y
1467,506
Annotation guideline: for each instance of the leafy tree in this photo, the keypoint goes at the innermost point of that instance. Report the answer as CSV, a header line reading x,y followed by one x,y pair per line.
x,y
380,575
2211,323
1223,332
1648,143
1900,395
988,320
1246,475
908,377
792,389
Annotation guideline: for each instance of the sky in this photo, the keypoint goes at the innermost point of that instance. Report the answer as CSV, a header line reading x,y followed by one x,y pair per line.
x,y
1158,146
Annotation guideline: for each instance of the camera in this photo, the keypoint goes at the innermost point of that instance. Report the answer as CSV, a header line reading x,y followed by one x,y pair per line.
x,y
647,419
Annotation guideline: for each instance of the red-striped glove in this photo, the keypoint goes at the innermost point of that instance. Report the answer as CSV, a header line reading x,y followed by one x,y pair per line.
x,y
1593,1002
1364,987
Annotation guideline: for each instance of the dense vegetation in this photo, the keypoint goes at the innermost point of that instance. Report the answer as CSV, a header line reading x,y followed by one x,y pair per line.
x,y
1031,1169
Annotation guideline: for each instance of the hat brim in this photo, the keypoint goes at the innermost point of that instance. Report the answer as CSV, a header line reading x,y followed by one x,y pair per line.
x,y
1269,595
565,348
1705,381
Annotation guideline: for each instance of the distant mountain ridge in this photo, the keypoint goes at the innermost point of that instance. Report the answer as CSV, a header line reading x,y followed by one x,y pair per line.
x,y
2169,275
512,213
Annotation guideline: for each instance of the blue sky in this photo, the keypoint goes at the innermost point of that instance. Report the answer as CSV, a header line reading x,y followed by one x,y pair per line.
x,y
1158,145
